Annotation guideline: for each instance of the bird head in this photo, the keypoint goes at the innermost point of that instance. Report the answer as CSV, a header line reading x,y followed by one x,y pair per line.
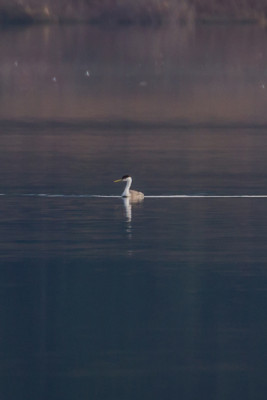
x,y
124,178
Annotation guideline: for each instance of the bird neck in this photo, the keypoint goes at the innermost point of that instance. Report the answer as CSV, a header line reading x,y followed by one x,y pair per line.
x,y
126,192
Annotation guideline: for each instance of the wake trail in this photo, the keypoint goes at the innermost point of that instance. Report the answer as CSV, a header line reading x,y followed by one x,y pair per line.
x,y
178,196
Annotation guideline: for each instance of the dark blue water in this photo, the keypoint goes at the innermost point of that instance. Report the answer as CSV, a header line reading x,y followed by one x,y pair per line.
x,y
160,299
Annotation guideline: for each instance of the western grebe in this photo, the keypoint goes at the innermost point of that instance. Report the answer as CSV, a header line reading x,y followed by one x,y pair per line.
x,y
133,194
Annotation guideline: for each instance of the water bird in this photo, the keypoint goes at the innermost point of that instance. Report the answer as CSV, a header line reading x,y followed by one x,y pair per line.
x,y
132,194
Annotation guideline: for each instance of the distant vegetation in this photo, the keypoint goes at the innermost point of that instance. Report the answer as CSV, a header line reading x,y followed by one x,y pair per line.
x,y
132,11
231,10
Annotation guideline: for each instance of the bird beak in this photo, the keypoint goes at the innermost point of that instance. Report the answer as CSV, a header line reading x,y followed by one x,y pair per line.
x,y
118,180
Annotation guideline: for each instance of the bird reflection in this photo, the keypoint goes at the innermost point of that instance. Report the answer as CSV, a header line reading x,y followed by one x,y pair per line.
x,y
128,203
128,208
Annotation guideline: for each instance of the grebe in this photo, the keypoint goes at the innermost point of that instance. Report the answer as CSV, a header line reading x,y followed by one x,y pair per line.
x,y
133,194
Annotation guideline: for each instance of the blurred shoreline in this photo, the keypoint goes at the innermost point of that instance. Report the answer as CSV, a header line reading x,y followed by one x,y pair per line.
x,y
129,12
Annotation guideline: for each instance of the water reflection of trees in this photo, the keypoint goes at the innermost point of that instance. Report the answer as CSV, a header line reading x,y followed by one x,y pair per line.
x,y
106,11
144,12
176,73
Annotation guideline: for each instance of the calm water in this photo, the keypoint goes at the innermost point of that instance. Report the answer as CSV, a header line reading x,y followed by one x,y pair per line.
x,y
162,299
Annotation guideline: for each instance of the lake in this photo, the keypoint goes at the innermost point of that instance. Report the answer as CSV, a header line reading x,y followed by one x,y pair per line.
x,y
105,299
